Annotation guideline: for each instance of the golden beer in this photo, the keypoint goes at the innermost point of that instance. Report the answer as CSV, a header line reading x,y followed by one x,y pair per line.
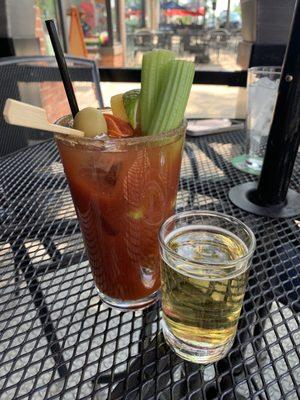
x,y
204,276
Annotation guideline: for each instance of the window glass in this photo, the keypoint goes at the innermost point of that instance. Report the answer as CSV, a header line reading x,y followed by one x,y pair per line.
x,y
117,33
207,32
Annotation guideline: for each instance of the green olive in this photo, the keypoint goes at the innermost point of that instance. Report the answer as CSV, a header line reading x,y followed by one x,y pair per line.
x,y
91,121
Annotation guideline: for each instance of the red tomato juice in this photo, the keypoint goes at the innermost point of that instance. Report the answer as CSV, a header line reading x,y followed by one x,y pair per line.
x,y
121,197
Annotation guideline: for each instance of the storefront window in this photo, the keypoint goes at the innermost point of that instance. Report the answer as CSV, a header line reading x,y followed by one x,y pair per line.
x,y
205,31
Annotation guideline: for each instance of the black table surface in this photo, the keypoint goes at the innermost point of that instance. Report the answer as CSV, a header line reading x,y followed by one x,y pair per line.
x,y
58,341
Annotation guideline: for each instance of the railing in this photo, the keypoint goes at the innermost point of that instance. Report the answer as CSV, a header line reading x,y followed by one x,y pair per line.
x,y
230,78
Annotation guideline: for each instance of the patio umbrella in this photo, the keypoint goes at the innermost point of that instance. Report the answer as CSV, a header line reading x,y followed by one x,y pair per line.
x,y
134,10
172,8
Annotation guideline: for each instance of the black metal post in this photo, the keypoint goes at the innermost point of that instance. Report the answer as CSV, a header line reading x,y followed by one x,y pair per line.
x,y
284,137
214,6
272,196
143,13
118,21
204,16
228,16
109,23
61,25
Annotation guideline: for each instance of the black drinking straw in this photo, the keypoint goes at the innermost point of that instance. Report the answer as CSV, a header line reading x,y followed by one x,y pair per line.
x,y
62,65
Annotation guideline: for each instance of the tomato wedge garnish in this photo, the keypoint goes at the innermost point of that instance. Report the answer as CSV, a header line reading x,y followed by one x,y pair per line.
x,y
118,128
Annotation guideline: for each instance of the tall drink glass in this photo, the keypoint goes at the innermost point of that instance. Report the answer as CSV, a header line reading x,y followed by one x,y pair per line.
x,y
263,83
123,189
205,262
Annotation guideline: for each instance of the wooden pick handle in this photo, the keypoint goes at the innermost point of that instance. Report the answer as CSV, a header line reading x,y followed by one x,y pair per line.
x,y
22,114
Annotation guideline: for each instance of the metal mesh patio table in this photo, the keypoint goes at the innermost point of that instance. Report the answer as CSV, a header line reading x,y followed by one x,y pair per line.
x,y
58,341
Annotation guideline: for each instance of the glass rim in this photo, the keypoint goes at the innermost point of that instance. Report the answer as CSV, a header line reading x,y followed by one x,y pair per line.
x,y
106,140
267,69
229,264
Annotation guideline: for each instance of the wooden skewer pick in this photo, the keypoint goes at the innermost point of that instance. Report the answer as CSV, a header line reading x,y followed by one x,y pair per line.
x,y
22,114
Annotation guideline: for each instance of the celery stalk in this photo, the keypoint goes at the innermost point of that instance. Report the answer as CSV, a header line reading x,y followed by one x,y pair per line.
x,y
152,80
174,94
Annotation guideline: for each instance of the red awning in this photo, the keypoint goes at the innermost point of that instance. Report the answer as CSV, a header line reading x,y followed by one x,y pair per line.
x,y
183,12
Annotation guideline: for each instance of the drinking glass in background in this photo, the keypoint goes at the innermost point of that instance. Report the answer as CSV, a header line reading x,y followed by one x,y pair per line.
x,y
205,264
123,189
262,87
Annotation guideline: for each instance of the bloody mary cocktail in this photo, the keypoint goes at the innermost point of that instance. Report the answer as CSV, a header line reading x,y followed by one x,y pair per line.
x,y
123,189
123,174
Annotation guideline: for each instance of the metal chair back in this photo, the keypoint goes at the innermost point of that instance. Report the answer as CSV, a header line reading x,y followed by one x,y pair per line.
x,y
36,80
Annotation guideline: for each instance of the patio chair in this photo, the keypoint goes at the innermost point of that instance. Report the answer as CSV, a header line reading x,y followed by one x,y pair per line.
x,y
164,40
36,80
143,41
218,39
196,44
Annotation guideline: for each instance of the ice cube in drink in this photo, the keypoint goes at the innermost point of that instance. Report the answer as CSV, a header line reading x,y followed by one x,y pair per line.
x,y
262,95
